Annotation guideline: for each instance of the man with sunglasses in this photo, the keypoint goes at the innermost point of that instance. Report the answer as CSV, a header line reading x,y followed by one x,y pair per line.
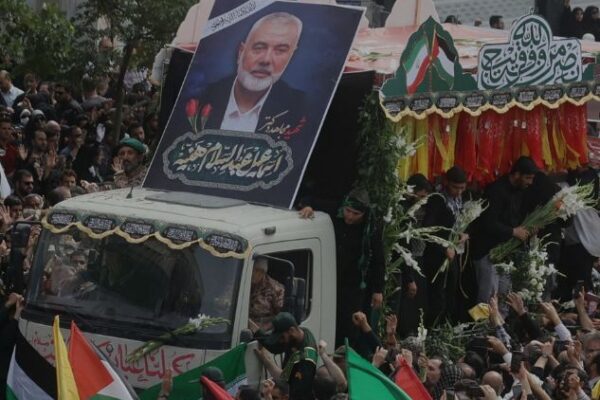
x,y
24,183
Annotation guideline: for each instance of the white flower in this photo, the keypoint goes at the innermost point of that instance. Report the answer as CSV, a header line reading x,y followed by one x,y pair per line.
x,y
388,217
198,321
571,200
421,334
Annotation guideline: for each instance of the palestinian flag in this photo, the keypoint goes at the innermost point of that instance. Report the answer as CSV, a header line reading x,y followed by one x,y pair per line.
x,y
407,380
30,376
187,386
416,65
443,57
95,378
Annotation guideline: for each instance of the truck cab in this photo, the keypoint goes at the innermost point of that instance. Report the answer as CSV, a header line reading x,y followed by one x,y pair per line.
x,y
130,265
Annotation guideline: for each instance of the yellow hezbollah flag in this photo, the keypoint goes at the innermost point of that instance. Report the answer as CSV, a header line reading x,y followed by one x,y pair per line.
x,y
65,382
596,391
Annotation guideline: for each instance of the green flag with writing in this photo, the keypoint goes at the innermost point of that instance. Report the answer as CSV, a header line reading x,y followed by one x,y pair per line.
x,y
186,386
365,382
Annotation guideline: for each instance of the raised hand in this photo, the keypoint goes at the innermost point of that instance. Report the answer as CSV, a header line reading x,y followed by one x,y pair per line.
x,y
515,301
167,383
117,165
51,158
550,313
322,347
379,356
5,217
391,323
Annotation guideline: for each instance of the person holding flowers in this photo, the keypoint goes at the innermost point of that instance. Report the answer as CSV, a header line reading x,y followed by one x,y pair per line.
x,y
442,210
500,222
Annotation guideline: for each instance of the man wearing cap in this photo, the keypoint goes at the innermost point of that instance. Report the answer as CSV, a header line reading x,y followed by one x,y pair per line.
x,y
266,295
300,355
128,166
500,222
442,210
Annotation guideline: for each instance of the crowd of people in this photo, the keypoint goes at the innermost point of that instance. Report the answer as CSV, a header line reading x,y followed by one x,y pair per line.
x,y
57,142
571,22
524,349
564,20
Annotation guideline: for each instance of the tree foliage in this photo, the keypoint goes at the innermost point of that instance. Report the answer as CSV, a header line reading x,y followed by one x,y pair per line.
x,y
41,42
144,25
141,26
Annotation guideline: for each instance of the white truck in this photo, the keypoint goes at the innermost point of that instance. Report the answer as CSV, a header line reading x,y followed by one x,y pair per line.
x,y
149,260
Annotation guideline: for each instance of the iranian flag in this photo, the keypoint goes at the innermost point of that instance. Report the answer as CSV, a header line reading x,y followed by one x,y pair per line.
x,y
365,382
186,385
96,379
416,65
30,376
443,57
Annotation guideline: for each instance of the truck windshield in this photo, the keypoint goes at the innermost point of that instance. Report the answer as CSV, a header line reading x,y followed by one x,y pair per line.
x,y
145,285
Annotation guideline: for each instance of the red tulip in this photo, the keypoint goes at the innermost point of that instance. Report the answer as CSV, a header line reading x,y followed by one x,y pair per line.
x,y
206,110
191,108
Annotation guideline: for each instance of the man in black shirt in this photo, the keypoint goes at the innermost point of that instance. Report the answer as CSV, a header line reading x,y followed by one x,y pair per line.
x,y
442,210
500,222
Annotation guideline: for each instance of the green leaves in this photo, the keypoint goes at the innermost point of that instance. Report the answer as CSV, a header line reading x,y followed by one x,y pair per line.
x,y
47,43
39,42
146,24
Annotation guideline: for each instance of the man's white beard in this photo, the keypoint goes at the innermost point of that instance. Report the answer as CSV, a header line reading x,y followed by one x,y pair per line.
x,y
253,83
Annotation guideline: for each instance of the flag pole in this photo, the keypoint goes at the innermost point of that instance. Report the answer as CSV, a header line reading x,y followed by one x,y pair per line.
x,y
417,12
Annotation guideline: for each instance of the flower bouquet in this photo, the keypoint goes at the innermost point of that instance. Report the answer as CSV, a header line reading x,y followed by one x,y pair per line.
x,y
470,212
529,271
193,111
194,325
566,203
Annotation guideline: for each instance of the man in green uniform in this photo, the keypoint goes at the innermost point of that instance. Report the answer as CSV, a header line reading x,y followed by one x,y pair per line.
x,y
300,360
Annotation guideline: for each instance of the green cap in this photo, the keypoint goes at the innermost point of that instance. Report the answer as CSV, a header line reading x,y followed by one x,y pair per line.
x,y
134,144
281,323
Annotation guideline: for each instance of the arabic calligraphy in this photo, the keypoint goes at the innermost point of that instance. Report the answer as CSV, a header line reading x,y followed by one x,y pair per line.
x,y
421,104
232,16
142,373
228,160
531,57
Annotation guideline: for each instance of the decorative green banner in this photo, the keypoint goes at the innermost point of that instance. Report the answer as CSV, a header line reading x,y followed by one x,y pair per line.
x,y
530,70
177,237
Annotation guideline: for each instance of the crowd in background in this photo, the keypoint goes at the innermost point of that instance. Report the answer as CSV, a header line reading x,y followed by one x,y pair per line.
x,y
57,139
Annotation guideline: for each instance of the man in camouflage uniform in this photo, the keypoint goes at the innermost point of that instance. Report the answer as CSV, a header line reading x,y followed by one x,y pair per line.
x,y
266,295
129,167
